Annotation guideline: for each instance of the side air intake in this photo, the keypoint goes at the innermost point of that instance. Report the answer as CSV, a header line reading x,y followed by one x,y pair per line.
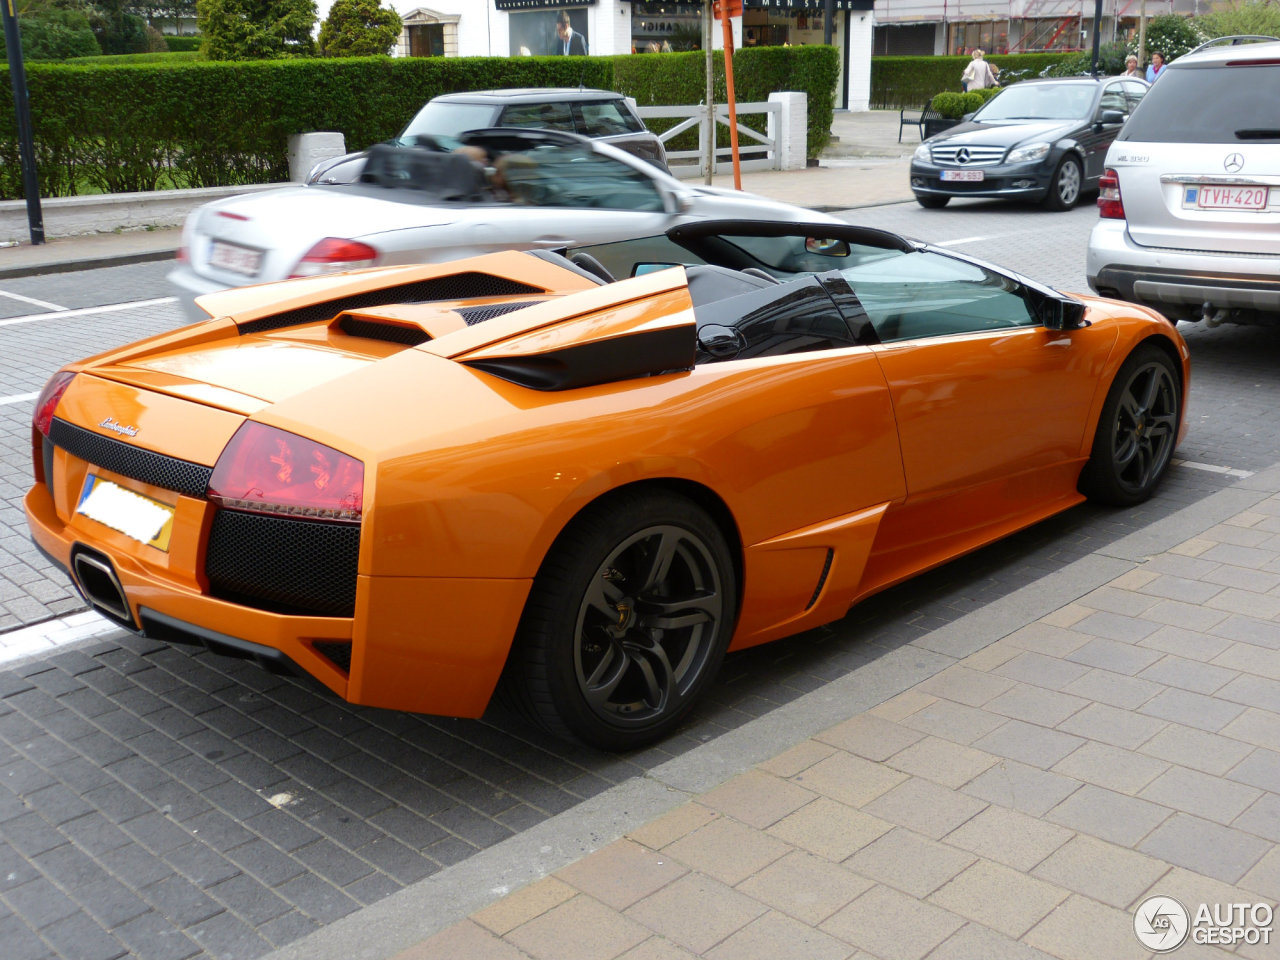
x,y
458,286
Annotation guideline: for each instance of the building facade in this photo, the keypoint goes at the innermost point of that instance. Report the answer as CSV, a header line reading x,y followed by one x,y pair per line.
x,y
923,27
511,28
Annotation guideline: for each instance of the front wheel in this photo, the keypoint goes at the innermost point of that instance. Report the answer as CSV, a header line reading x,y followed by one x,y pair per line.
x,y
627,622
932,202
1065,189
1137,431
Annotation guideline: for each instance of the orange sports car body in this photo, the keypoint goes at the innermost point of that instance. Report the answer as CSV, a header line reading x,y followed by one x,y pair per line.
x,y
414,482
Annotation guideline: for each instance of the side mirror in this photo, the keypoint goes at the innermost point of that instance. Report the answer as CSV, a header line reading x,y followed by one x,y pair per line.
x,y
1110,116
1061,314
676,202
640,269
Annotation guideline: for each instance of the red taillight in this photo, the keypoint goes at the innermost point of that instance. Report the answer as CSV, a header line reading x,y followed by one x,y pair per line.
x,y
331,255
267,470
47,402
1110,206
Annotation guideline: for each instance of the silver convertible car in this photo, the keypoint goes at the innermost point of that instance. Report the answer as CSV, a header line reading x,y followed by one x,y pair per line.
x,y
504,189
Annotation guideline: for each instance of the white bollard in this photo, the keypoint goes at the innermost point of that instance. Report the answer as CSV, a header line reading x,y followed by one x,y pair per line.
x,y
308,149
790,131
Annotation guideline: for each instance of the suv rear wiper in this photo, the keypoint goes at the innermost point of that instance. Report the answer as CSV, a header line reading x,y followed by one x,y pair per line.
x,y
1259,133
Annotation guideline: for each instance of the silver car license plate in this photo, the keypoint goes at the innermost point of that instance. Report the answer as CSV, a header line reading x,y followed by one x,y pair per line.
x,y
237,259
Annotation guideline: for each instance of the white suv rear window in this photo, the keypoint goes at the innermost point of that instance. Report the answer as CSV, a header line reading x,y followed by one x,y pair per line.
x,y
1231,102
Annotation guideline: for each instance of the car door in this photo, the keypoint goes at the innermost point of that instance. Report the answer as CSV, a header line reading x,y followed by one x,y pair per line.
x,y
1098,137
991,406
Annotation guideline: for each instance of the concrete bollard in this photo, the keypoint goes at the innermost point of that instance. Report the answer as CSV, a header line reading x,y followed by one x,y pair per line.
x,y
308,149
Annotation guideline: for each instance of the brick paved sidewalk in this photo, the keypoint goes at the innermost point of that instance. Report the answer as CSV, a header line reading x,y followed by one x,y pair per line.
x,y
1018,804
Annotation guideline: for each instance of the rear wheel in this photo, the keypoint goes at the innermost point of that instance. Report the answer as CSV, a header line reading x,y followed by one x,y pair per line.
x,y
627,622
1065,189
932,202
1137,430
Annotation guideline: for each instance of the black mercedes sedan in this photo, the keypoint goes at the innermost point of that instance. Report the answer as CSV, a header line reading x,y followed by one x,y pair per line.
x,y
1039,140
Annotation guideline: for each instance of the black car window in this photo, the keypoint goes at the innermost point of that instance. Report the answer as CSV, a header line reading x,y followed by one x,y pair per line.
x,y
765,319
1231,102
1133,92
926,294
605,118
574,175
1113,98
543,116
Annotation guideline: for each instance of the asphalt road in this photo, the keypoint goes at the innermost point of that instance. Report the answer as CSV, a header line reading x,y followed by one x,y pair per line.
x,y
184,805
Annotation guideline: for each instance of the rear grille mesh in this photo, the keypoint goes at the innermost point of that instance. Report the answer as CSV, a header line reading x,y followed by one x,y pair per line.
x,y
284,565
182,476
474,315
458,286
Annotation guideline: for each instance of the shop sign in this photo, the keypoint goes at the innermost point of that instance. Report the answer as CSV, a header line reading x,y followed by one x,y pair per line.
x,y
541,4
810,6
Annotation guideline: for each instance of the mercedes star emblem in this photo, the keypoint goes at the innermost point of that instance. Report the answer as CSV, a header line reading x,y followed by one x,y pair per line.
x,y
1234,163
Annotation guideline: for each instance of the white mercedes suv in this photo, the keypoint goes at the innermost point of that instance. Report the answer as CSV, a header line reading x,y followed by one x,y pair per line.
x,y
1190,199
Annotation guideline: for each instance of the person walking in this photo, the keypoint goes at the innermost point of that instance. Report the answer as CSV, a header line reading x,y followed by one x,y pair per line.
x,y
1131,68
569,42
979,74
1155,67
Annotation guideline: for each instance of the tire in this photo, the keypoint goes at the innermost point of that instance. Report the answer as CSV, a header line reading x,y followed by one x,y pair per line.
x,y
1136,432
932,202
1065,189
627,622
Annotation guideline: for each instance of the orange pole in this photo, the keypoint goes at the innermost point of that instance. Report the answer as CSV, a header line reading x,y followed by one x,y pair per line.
x,y
733,103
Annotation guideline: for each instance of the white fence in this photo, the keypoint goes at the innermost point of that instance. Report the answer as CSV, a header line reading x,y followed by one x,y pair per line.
x,y
781,147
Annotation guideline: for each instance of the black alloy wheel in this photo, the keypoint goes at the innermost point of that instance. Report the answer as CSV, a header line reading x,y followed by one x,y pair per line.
x,y
627,622
1137,431
1067,182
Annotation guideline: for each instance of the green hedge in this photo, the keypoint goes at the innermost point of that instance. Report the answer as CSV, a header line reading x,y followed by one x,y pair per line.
x,y
122,128
912,81
133,59
184,44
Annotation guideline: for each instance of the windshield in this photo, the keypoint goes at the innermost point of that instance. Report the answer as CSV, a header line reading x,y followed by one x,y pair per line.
x,y
445,121
1039,101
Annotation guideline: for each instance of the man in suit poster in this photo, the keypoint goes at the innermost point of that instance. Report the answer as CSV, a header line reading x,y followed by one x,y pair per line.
x,y
568,41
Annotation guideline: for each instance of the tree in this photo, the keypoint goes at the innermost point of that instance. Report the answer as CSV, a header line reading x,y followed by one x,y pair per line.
x,y
53,33
359,28
54,30
1253,17
256,29
1172,35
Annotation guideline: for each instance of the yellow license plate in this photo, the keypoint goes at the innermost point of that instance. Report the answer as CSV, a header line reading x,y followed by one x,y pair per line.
x,y
136,516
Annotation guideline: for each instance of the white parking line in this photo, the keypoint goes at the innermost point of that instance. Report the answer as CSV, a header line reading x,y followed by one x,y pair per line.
x,y
1212,468
31,300
43,638
87,311
18,398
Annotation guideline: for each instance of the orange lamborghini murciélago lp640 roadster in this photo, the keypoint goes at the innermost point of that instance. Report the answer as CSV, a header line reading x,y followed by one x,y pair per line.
x,y
418,483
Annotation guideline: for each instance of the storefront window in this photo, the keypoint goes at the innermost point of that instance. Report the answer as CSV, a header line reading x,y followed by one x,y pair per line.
x,y
534,34
657,26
